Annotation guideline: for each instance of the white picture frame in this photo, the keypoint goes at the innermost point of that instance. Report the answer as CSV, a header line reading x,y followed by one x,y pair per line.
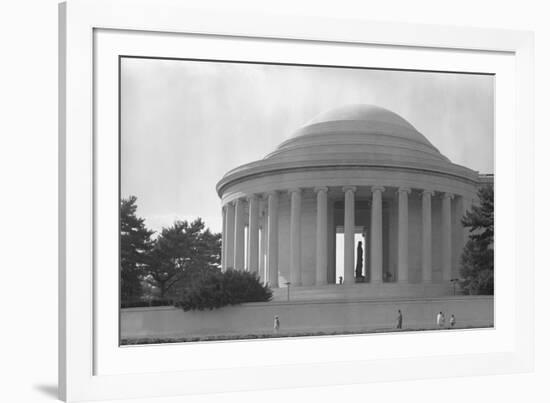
x,y
92,366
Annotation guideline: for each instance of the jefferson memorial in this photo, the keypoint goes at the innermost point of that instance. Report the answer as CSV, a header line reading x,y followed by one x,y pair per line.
x,y
366,173
355,174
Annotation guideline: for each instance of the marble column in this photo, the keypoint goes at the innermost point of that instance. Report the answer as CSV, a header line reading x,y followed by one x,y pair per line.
x,y
427,236
295,237
263,247
253,234
403,235
229,246
366,258
273,239
239,235
391,241
349,234
224,235
456,234
376,235
321,252
366,247
446,248
331,244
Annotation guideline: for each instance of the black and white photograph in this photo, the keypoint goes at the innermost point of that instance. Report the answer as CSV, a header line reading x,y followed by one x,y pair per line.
x,y
275,201
264,200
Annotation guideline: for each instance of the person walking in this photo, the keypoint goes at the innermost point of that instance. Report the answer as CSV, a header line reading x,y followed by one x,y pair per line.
x,y
399,319
452,321
276,324
440,319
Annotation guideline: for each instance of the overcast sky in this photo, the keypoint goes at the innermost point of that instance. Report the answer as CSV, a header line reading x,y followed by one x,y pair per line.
x,y
186,123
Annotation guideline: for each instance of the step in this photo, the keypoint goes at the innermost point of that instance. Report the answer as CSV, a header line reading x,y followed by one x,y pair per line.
x,y
362,291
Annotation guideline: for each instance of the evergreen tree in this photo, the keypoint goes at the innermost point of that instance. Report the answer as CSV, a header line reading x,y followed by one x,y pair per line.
x,y
181,254
477,260
135,245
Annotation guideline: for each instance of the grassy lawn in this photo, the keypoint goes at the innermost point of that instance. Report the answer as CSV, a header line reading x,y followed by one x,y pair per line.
x,y
280,334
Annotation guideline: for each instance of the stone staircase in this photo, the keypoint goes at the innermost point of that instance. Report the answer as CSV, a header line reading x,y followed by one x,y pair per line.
x,y
361,291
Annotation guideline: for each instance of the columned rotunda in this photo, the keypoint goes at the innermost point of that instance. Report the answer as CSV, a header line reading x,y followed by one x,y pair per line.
x,y
362,171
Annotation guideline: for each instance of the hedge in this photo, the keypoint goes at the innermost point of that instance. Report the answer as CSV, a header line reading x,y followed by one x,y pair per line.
x,y
215,289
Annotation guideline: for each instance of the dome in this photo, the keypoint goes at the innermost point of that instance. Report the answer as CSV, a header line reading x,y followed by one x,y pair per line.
x,y
369,114
352,137
357,131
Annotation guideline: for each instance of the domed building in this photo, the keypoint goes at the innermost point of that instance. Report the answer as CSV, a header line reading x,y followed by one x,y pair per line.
x,y
361,171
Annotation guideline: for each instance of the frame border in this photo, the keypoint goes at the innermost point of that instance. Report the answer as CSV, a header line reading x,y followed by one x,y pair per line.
x,y
77,21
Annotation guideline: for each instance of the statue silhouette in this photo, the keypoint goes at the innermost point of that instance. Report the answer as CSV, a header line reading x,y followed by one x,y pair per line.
x,y
359,265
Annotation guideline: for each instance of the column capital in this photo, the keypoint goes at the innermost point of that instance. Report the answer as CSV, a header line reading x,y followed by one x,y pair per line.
x,y
318,189
377,188
252,196
272,193
447,195
346,188
427,192
295,190
404,189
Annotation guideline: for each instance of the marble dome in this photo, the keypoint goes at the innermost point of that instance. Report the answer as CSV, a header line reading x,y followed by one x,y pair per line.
x,y
361,135
361,112
363,132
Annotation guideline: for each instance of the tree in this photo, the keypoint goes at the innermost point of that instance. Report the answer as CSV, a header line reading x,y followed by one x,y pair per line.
x,y
477,260
135,245
181,253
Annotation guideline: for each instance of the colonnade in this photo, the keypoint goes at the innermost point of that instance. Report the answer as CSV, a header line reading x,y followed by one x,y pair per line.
x,y
233,254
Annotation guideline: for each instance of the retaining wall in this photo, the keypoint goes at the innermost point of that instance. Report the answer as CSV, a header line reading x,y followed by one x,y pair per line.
x,y
255,318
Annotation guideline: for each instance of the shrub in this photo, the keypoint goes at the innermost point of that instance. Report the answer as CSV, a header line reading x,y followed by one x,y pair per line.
x,y
215,289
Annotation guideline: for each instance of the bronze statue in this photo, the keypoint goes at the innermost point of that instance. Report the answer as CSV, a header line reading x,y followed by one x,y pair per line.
x,y
359,265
